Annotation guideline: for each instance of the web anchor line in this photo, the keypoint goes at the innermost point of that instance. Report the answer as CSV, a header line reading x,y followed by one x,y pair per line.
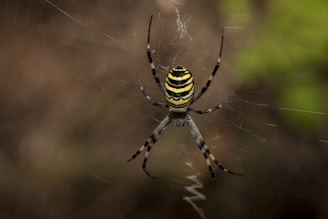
x,y
281,108
233,97
76,20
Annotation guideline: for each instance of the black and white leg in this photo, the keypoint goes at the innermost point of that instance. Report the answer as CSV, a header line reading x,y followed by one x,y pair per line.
x,y
212,109
150,100
151,141
216,67
150,59
204,148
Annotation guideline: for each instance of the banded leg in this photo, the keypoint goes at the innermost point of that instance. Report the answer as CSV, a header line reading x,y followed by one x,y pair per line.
x,y
151,141
216,67
212,109
204,148
150,59
150,100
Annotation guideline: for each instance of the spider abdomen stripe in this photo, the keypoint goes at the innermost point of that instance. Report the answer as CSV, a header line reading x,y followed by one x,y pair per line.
x,y
179,95
176,90
179,89
178,105
179,83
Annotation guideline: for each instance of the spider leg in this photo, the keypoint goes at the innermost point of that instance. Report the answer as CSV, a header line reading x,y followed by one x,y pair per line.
x,y
216,67
204,148
151,141
150,59
212,109
150,100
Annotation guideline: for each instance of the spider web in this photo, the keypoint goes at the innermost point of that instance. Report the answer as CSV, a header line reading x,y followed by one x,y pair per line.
x,y
96,103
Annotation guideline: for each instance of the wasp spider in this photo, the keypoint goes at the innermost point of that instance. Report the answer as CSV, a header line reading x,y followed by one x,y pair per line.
x,y
179,94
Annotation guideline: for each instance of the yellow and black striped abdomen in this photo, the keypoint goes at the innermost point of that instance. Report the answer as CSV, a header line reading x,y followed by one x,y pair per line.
x,y
179,89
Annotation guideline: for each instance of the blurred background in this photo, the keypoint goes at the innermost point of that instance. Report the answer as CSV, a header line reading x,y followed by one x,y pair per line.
x,y
72,113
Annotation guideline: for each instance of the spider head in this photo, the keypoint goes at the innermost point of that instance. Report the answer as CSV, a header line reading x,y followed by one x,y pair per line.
x,y
179,89
179,118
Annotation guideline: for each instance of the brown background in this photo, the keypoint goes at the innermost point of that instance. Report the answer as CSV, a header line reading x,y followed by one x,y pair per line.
x,y
71,114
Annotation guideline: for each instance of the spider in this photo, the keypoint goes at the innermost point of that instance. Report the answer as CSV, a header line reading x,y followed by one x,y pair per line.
x,y
179,94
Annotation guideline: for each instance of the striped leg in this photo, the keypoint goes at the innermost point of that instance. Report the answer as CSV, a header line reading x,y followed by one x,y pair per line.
x,y
150,59
216,67
204,148
151,141
217,107
155,103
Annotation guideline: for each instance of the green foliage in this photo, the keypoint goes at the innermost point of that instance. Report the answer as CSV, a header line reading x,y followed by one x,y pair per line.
x,y
308,98
292,38
290,45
